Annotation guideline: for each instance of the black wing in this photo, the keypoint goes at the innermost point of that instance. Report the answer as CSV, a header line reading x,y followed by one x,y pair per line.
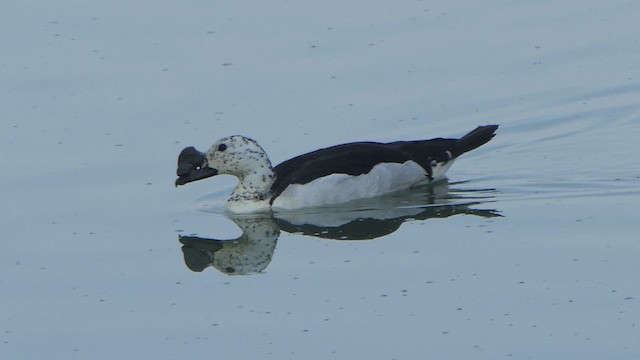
x,y
360,157
356,159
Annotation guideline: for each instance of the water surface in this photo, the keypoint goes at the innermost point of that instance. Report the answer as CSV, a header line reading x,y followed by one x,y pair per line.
x,y
529,251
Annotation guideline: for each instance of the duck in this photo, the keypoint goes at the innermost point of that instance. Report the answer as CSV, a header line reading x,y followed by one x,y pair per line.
x,y
324,177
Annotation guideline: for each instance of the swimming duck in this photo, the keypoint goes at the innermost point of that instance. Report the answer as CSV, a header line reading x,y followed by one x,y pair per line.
x,y
332,175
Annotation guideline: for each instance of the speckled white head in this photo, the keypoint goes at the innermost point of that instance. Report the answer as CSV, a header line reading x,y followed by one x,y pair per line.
x,y
244,158
237,155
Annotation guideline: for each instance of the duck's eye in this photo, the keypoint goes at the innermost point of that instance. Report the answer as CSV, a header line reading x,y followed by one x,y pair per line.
x,y
222,147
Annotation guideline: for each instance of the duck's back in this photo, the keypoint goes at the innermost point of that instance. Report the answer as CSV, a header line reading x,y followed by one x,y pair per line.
x,y
336,173
356,170
351,159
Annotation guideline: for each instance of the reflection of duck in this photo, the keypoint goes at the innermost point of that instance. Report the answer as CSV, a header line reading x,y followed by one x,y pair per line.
x,y
248,254
366,227
332,175
252,252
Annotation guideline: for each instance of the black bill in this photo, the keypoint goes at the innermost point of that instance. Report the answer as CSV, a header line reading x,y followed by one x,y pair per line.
x,y
192,166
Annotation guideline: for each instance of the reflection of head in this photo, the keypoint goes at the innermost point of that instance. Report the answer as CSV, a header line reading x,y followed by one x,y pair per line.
x,y
198,253
249,254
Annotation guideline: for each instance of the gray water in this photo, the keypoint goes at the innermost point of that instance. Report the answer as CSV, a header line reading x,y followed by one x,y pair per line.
x,y
530,251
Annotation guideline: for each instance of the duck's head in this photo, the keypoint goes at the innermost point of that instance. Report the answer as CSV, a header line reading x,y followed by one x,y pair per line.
x,y
234,155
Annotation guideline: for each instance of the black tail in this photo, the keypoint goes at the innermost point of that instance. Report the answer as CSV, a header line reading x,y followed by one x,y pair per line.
x,y
478,137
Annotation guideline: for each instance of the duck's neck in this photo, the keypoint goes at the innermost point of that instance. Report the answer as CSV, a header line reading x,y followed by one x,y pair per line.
x,y
253,192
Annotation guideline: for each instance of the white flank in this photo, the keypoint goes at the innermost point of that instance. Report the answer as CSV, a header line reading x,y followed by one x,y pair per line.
x,y
383,179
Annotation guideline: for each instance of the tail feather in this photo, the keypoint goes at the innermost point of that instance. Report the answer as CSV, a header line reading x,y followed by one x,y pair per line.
x,y
476,138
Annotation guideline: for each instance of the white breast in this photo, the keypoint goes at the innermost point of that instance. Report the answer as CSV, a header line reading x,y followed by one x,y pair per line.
x,y
384,178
